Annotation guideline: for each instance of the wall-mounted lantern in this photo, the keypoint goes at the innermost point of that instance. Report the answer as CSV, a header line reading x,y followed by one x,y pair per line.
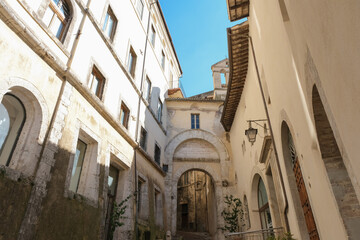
x,y
252,132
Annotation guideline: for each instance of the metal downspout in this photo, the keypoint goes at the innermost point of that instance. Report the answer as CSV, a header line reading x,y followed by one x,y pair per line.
x,y
272,136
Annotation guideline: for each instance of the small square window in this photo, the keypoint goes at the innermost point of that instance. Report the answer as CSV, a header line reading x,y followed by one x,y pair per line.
x,y
124,115
147,89
132,62
110,24
143,138
153,36
195,121
159,110
162,59
157,154
96,82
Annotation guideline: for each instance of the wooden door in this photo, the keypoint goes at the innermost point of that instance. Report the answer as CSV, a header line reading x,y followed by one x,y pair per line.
x,y
305,203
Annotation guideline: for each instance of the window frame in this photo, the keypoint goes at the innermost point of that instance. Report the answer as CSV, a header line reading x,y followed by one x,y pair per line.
x,y
157,159
159,110
163,59
153,36
57,13
18,130
141,188
132,59
144,141
82,165
195,120
124,120
110,15
95,73
264,209
147,97
140,12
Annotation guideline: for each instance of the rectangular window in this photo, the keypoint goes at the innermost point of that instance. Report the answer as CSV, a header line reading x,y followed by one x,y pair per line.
x,y
195,121
159,111
140,192
156,201
112,180
163,60
112,192
57,17
147,89
153,36
140,7
110,24
124,115
132,62
96,82
143,138
77,165
157,154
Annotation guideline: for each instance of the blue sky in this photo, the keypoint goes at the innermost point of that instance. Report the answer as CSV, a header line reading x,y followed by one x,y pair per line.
x,y
198,30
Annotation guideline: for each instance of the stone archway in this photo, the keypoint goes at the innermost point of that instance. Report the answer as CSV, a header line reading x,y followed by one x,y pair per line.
x,y
181,156
217,191
196,202
195,134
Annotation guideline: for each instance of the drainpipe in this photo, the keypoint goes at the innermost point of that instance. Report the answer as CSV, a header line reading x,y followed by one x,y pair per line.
x,y
138,122
27,232
272,136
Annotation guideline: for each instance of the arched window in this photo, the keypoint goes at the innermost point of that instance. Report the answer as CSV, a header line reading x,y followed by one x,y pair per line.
x,y
264,210
57,17
12,118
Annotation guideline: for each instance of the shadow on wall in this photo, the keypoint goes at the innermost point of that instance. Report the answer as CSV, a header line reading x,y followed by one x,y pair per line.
x,y
63,214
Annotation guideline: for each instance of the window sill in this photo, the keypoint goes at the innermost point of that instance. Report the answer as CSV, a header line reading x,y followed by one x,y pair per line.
x,y
82,199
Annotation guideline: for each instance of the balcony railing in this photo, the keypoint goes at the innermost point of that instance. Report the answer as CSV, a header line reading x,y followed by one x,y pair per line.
x,y
262,234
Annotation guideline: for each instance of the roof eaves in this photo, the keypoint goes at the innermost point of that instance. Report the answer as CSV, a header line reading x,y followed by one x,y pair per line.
x,y
237,9
236,81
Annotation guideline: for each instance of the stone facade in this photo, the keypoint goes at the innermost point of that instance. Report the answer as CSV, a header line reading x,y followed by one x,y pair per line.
x,y
97,115
295,83
92,73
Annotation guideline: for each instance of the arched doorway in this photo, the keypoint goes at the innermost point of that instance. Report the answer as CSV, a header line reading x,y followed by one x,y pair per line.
x,y
296,179
196,202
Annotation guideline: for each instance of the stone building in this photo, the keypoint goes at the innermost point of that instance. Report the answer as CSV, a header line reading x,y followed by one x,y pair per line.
x,y
197,148
92,112
83,117
294,78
